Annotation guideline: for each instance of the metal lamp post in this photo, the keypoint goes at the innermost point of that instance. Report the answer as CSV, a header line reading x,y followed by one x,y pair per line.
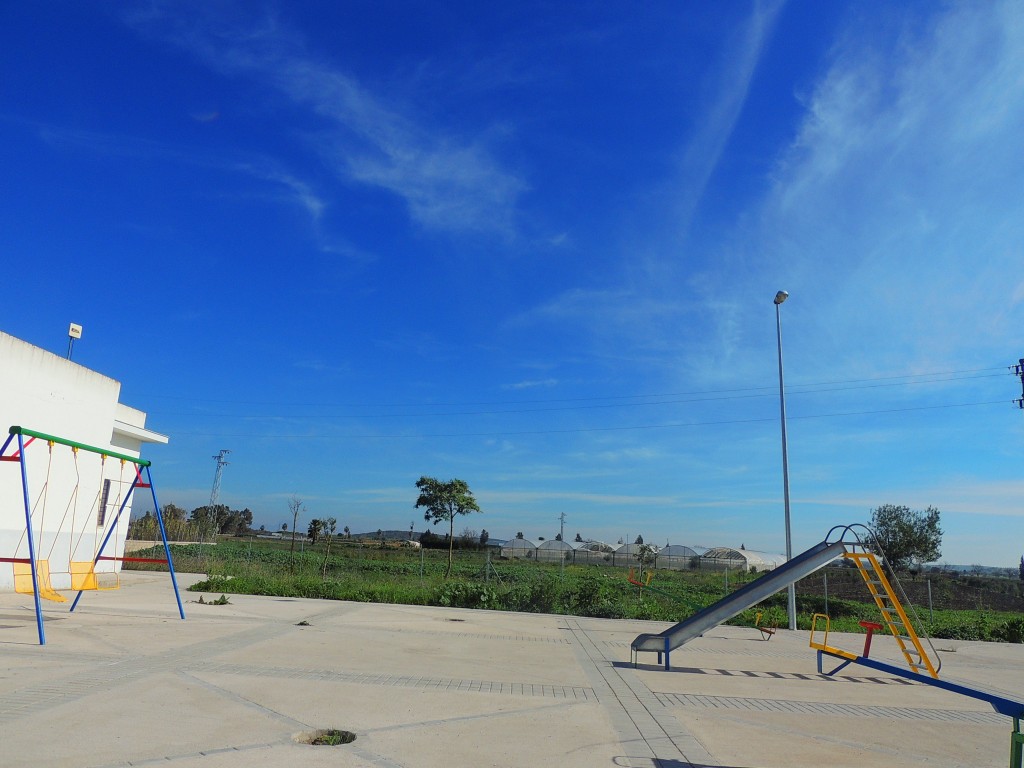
x,y
780,297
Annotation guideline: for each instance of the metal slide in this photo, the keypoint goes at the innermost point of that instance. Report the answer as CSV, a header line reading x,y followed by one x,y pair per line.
x,y
753,593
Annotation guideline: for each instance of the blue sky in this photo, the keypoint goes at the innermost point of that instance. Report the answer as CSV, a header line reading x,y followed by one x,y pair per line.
x,y
535,246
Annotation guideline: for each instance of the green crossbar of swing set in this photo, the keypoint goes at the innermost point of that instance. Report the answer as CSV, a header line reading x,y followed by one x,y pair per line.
x,y
80,446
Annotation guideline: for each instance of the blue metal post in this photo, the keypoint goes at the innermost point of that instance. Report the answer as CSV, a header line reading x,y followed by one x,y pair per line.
x,y
31,537
163,536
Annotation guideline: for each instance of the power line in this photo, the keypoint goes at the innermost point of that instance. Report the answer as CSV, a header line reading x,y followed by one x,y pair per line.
x,y
929,378
583,430
599,406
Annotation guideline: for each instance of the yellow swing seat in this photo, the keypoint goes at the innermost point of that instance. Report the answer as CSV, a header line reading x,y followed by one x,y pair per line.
x,y
84,576
23,581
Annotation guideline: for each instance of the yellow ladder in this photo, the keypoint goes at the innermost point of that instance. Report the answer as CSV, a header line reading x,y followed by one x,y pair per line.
x,y
895,618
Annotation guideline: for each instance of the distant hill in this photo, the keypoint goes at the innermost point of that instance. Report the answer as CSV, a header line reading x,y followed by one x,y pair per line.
x,y
978,570
393,535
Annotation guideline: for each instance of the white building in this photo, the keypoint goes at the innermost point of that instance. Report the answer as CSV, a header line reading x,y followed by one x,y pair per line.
x,y
74,495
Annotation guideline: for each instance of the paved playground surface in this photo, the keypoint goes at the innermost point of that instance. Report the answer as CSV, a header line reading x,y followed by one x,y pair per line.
x,y
124,681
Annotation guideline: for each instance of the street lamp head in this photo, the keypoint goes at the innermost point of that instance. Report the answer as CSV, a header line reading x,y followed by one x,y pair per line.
x,y
781,296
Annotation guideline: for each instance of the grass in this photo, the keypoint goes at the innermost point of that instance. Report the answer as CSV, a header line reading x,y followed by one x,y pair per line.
x,y
367,573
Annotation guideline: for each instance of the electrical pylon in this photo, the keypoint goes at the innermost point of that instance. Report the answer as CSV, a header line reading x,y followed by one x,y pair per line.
x,y
221,463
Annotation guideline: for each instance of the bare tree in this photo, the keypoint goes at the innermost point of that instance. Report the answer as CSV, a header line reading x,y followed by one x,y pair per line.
x,y
329,526
295,506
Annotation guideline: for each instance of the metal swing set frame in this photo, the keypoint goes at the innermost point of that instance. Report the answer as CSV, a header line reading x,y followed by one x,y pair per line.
x,y
85,581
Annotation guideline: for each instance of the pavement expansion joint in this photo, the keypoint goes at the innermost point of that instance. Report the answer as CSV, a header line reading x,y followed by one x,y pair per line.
x,y
805,676
580,693
648,732
697,701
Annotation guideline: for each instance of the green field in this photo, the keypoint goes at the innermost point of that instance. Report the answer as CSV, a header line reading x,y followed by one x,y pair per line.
x,y
367,572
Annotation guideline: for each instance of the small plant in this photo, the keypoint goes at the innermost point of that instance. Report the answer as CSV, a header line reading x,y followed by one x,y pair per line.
x,y
332,737
222,600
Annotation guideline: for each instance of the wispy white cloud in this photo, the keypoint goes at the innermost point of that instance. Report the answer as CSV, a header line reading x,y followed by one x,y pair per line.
x,y
648,316
896,214
599,499
731,88
449,181
532,384
277,177
299,189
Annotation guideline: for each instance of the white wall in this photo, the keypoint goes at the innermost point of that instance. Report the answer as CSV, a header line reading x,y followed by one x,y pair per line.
x,y
45,393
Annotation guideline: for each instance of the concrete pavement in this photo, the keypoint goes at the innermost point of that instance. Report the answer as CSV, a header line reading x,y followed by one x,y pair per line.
x,y
123,681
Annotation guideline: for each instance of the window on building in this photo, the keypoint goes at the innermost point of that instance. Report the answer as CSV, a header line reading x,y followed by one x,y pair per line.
x,y
101,510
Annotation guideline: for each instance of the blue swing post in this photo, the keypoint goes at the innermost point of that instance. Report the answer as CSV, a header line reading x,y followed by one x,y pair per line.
x,y
28,528
163,536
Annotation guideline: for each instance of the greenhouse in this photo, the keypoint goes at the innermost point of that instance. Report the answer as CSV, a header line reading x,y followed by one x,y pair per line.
x,y
593,552
518,548
740,559
679,557
554,550
627,553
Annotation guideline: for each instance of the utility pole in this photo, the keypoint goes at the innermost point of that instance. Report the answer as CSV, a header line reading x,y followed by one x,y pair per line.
x,y
215,493
561,538
1018,370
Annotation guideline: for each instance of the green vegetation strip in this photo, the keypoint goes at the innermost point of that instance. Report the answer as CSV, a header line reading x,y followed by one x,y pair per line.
x,y
367,573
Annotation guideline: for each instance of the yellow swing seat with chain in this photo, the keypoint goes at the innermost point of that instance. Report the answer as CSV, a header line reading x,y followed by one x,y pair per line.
x,y
84,576
23,581
83,572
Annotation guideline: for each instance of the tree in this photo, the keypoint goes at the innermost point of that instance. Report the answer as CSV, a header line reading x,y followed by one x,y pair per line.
x,y
219,519
144,528
445,501
347,532
485,537
639,540
173,512
907,537
519,535
644,554
207,520
328,526
558,537
294,506
1022,568
316,526
578,537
